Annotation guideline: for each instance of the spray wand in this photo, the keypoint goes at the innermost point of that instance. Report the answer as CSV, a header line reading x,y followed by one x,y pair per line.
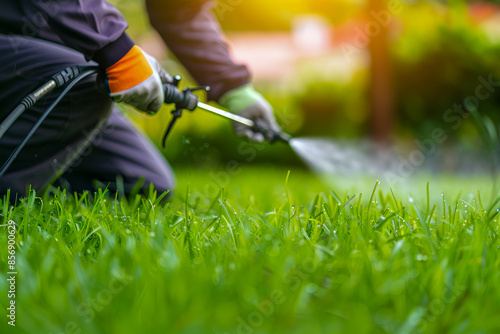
x,y
186,100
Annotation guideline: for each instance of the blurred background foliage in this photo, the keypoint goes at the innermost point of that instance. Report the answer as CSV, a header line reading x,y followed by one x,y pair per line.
x,y
437,50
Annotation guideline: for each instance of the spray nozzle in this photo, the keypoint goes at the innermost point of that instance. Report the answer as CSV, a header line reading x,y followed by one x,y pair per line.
x,y
269,134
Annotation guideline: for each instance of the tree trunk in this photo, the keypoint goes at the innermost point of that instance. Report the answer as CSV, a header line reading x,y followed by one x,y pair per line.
x,y
381,86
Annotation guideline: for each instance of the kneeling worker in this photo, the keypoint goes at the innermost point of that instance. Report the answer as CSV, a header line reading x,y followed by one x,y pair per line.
x,y
85,142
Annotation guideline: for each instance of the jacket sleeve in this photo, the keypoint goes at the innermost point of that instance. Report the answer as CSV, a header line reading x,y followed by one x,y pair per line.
x,y
193,34
93,27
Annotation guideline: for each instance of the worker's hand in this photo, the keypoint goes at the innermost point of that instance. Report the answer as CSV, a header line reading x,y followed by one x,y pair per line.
x,y
248,103
136,79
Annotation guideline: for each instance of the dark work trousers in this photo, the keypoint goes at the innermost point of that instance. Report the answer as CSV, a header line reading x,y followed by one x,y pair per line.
x,y
84,143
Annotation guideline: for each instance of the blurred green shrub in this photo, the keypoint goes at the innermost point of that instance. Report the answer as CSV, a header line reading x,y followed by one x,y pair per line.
x,y
438,61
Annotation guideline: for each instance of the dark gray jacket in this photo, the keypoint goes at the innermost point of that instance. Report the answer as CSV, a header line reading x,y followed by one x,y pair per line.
x,y
97,29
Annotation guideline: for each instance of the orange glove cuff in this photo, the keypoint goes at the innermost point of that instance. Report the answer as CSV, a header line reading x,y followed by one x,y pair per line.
x,y
129,71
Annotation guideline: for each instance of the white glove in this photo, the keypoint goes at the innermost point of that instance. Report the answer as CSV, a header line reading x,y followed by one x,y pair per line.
x,y
136,79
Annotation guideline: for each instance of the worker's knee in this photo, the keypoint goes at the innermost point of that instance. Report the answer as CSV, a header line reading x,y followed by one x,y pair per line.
x,y
159,178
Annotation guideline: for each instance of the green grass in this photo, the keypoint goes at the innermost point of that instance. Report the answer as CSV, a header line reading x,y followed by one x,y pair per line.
x,y
266,254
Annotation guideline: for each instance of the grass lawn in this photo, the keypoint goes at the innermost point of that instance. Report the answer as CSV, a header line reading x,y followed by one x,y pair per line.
x,y
264,255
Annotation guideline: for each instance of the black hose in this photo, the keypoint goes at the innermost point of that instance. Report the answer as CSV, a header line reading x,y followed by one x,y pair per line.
x,y
72,75
59,79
